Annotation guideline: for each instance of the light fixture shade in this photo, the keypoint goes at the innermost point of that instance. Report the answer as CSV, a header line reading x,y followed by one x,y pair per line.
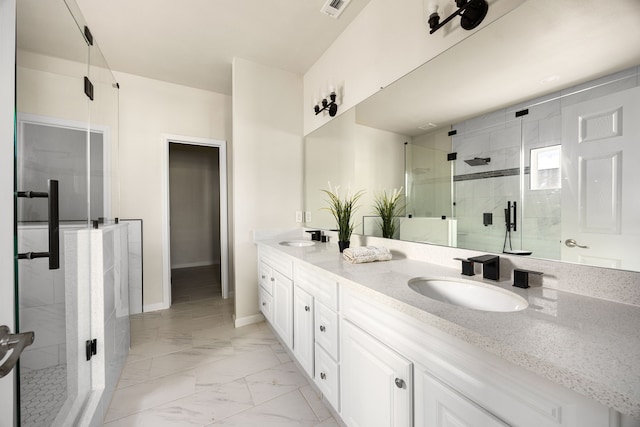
x,y
474,14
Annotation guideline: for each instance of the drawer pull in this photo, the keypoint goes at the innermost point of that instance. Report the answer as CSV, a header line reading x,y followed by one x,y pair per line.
x,y
264,277
322,328
400,383
323,375
307,308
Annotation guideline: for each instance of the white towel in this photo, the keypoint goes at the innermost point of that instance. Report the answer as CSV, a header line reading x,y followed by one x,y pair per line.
x,y
366,254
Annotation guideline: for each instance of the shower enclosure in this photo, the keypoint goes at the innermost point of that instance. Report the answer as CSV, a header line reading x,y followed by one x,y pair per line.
x,y
66,133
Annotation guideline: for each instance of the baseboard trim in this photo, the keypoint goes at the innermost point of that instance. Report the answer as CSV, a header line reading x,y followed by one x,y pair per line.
x,y
248,320
155,307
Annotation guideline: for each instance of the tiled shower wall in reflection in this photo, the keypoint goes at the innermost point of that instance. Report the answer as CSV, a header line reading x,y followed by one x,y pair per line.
x,y
499,135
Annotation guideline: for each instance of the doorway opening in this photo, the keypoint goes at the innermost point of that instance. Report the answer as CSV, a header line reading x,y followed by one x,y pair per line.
x,y
195,220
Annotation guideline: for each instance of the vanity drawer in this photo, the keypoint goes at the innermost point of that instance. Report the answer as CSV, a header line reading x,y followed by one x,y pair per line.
x,y
323,286
266,304
326,329
327,378
265,277
277,260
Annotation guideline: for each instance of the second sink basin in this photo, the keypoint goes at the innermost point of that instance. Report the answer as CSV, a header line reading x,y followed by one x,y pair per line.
x,y
478,296
297,243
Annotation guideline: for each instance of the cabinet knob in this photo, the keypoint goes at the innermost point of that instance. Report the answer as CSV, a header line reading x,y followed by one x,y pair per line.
x,y
273,279
322,328
400,383
264,277
306,308
264,303
323,375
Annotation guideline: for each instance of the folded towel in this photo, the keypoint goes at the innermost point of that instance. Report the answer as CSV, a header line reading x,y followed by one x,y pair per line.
x,y
366,254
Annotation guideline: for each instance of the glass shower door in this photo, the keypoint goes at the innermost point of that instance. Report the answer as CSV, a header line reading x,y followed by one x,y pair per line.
x,y
53,145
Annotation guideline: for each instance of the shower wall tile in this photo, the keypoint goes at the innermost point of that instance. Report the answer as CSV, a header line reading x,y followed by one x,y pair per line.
x,y
48,323
35,283
108,245
495,118
59,283
62,354
134,238
33,238
109,293
506,138
550,132
39,358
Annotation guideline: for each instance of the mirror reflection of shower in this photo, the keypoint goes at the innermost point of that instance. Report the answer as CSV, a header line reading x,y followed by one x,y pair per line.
x,y
429,190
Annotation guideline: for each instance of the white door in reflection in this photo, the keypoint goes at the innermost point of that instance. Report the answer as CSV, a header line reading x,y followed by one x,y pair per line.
x,y
600,151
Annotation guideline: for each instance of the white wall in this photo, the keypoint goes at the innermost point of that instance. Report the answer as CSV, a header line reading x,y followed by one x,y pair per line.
x,y
148,109
266,167
354,157
384,42
194,187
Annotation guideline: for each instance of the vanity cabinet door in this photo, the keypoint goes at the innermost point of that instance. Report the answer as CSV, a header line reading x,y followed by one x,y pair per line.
x,y
376,381
283,308
303,329
437,405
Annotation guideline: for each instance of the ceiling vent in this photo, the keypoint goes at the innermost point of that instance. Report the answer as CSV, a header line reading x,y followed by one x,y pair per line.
x,y
334,8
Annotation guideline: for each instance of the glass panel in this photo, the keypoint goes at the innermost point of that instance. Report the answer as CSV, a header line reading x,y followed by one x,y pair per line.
x,y
103,111
52,143
487,183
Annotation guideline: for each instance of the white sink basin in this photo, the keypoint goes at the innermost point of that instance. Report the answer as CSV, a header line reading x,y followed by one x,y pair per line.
x,y
468,294
298,243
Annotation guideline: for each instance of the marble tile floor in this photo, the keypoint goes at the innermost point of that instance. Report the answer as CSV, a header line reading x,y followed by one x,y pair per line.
x,y
188,366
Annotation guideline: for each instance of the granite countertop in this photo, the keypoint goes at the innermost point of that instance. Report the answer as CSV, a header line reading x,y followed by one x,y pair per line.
x,y
588,345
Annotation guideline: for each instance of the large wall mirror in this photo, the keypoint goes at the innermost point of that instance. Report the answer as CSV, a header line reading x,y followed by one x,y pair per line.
x,y
523,138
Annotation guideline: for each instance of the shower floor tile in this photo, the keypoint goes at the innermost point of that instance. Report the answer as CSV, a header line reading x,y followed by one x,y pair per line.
x,y
42,394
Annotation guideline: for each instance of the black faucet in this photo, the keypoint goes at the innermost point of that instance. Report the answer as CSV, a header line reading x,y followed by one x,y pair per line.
x,y
521,277
467,267
490,266
315,234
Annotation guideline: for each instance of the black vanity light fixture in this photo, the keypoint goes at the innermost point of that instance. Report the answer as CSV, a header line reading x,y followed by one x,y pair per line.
x,y
471,13
327,104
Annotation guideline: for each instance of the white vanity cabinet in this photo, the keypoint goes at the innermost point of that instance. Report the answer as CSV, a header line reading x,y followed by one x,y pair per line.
x,y
379,365
455,383
275,296
316,329
376,381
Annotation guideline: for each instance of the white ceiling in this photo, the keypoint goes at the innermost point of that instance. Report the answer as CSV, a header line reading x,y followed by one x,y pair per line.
x,y
193,42
540,47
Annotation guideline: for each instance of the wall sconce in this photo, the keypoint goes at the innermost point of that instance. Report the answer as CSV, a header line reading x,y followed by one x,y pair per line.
x,y
327,104
471,13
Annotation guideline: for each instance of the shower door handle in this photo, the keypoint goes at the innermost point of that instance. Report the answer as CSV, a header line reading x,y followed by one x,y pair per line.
x,y
15,342
53,225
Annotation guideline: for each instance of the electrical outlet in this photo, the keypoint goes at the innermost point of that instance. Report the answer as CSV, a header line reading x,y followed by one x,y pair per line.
x,y
298,216
307,217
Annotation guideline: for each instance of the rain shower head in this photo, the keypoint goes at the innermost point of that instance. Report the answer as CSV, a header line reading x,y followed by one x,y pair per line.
x,y
478,161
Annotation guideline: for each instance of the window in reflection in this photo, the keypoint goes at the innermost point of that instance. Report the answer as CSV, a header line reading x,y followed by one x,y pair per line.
x,y
545,168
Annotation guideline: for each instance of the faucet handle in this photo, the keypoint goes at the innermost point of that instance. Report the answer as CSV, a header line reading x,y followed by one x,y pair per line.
x,y
521,277
467,267
315,234
490,266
